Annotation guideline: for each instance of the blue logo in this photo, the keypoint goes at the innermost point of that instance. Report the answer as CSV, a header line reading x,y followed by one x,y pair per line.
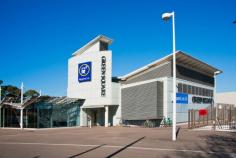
x,y
85,72
181,98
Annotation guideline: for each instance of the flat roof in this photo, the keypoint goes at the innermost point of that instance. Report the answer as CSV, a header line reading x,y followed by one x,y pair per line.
x,y
181,59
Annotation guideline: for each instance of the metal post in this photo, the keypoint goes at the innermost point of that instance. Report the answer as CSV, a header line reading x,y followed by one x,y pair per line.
x,y
26,118
0,116
189,118
174,80
22,92
3,118
215,97
167,16
21,109
0,93
21,118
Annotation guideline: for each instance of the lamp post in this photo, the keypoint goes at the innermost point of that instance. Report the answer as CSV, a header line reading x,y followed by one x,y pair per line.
x,y
1,90
167,16
21,109
215,105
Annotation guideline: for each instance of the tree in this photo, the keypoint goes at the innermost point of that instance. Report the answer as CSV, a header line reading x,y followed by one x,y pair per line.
x,y
31,93
1,82
10,90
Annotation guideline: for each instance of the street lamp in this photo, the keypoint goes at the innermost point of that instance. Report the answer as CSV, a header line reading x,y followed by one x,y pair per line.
x,y
167,16
1,82
21,109
215,105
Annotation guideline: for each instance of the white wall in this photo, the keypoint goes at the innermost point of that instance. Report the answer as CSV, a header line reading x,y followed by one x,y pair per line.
x,y
226,98
116,99
182,109
91,90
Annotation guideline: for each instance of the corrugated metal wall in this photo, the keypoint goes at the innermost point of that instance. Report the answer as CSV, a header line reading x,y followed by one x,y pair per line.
x,y
142,102
153,73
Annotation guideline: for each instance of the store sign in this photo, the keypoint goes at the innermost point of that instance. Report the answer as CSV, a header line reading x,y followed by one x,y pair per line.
x,y
103,76
85,72
181,98
201,100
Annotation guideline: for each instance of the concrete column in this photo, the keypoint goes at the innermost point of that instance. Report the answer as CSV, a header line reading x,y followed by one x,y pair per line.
x,y
106,116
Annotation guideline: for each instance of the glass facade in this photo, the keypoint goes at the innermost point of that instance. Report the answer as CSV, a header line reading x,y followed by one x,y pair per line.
x,y
184,88
44,112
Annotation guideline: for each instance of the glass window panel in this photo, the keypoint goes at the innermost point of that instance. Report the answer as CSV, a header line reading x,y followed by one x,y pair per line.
x,y
189,89
185,88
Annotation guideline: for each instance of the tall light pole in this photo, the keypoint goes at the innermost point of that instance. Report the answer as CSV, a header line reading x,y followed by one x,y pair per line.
x,y
167,16
21,109
1,90
215,105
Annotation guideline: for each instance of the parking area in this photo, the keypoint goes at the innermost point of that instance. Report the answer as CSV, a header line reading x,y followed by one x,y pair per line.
x,y
115,142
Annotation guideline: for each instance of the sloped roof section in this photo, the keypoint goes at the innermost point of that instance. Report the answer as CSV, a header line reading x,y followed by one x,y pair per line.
x,y
101,38
181,59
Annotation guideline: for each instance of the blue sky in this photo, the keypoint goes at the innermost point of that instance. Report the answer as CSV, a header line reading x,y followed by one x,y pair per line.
x,y
38,37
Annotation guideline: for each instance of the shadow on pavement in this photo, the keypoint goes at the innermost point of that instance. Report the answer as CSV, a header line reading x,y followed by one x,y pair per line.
x,y
217,146
86,151
113,154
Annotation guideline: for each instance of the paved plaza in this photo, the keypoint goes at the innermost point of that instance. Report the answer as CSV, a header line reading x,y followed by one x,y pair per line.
x,y
103,142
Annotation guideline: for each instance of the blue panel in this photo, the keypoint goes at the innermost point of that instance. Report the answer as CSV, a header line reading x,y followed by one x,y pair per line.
x,y
85,72
181,98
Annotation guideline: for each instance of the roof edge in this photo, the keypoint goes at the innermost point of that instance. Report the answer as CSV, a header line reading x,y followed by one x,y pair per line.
x,y
124,77
91,43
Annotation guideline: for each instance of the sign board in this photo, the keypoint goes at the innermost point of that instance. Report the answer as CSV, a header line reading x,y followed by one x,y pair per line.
x,y
103,76
181,98
201,100
85,72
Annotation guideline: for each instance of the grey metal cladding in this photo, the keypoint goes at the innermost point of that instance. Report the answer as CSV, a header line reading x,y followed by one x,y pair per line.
x,y
152,73
142,102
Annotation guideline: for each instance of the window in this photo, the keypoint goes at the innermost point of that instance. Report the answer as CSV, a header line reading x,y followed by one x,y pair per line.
x,y
180,87
200,91
189,89
185,88
211,93
197,90
204,92
194,90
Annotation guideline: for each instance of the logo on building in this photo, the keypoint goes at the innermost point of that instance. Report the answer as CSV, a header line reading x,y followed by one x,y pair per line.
x,y
103,76
85,72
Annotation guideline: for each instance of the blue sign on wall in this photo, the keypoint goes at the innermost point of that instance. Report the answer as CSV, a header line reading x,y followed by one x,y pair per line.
x,y
85,72
181,98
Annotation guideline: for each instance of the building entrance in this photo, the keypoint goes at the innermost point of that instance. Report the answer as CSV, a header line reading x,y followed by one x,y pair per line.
x,y
97,116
